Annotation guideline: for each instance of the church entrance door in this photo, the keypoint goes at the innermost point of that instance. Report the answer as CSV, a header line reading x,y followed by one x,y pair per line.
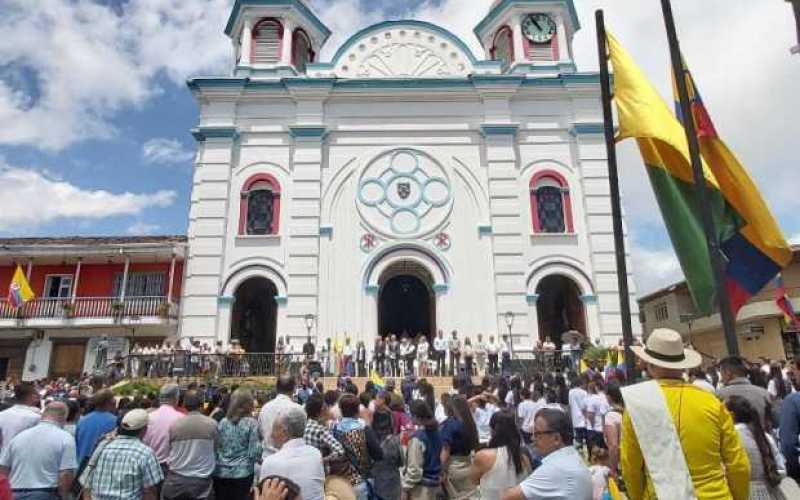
x,y
560,308
255,314
406,303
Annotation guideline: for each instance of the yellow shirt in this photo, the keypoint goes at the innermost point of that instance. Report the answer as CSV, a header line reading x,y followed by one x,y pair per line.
x,y
717,461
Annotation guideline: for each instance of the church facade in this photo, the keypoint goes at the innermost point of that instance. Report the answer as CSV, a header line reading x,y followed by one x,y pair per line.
x,y
406,185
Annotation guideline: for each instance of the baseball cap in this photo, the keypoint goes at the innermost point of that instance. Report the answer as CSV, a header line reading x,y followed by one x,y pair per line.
x,y
135,420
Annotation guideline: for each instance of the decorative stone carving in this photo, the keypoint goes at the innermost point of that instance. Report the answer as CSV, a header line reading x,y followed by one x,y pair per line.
x,y
403,52
404,194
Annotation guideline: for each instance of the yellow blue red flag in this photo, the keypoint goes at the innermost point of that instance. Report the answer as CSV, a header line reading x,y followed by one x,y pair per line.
x,y
377,380
19,291
754,246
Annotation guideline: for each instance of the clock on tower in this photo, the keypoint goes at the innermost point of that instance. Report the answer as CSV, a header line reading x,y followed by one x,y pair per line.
x,y
539,28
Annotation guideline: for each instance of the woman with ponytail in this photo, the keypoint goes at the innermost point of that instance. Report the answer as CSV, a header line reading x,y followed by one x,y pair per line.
x,y
767,468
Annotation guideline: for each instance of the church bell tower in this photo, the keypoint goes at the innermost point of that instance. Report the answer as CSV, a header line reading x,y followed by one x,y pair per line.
x,y
530,36
274,38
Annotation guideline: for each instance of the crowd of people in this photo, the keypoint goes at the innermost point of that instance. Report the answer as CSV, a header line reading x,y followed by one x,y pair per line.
x,y
727,431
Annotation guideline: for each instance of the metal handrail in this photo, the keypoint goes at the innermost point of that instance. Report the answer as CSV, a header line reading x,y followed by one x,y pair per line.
x,y
89,307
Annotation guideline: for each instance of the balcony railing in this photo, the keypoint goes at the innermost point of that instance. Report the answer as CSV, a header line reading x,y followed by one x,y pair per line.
x,y
89,307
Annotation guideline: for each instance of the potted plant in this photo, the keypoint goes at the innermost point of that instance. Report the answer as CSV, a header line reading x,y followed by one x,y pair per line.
x,y
117,307
164,310
69,309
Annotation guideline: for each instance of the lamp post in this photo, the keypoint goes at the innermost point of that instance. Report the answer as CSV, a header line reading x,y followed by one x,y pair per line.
x,y
309,321
509,317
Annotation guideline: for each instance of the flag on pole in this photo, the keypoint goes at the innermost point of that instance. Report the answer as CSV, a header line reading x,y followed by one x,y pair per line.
x,y
785,303
645,116
377,380
755,248
19,291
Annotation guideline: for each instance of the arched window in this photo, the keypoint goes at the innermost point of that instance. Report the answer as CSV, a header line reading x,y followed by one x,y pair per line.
x,y
551,207
267,42
503,46
260,206
302,54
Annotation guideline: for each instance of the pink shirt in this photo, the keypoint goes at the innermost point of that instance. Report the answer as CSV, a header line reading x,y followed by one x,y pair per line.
x,y
157,435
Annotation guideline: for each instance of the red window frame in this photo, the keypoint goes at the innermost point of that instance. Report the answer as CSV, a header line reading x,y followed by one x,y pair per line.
x,y
311,54
504,30
276,202
565,195
266,20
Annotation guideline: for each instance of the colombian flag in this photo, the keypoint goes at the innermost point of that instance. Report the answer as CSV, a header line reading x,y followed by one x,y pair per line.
x,y
754,247
785,303
752,242
19,291
377,380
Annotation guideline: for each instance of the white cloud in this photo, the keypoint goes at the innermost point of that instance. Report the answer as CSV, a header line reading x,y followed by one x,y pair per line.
x,y
140,228
82,63
654,268
31,198
165,151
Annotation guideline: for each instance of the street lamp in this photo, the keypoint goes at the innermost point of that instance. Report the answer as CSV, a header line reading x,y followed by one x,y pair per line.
x,y
309,320
509,317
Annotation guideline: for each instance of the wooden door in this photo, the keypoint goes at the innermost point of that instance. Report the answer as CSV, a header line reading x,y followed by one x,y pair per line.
x,y
67,359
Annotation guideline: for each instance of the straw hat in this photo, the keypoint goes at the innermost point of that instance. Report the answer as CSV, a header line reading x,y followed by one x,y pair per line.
x,y
664,348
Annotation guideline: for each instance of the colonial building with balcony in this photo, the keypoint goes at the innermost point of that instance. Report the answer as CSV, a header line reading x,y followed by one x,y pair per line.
x,y
91,294
760,327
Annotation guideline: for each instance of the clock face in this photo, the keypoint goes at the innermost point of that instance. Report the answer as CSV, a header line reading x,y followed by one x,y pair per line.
x,y
539,28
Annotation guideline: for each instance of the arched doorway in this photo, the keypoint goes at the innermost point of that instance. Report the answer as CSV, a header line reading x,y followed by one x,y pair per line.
x,y
255,313
559,308
406,302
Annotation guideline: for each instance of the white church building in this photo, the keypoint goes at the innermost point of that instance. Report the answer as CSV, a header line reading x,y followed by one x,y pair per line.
x,y
406,185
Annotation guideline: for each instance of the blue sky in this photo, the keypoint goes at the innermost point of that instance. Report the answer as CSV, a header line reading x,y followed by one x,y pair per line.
x,y
97,115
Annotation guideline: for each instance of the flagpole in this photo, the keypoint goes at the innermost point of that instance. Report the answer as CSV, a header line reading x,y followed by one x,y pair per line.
x,y
715,254
616,205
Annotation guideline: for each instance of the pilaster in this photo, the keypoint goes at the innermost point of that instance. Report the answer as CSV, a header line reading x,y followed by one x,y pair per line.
x,y
200,316
304,227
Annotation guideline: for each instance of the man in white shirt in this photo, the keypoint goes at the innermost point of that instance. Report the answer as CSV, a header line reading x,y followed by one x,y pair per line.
x,y
274,409
527,409
41,460
347,355
596,408
23,415
440,348
563,474
492,350
294,459
480,354
577,410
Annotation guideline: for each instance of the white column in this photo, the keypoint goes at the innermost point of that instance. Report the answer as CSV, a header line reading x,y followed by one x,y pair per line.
x,y
124,278
561,33
286,55
76,281
28,270
519,47
171,279
246,42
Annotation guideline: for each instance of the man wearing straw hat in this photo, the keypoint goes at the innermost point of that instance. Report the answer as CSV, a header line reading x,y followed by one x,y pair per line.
x,y
678,441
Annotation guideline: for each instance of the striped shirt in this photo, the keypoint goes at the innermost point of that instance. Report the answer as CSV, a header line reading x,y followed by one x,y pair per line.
x,y
125,467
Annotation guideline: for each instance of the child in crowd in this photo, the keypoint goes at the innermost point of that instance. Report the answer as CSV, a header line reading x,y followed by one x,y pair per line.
x,y
600,472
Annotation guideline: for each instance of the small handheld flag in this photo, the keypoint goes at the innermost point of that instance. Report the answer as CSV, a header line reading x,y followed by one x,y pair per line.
x,y
377,380
19,291
785,303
